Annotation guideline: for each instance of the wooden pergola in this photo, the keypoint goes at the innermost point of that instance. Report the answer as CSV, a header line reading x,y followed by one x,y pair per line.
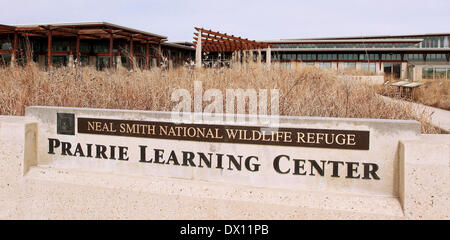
x,y
79,31
212,41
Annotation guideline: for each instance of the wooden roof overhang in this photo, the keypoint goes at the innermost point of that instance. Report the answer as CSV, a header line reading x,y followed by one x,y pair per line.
x,y
5,29
84,31
221,42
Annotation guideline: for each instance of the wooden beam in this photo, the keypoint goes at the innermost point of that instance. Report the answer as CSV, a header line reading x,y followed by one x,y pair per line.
x,y
78,50
220,44
14,49
147,55
245,42
29,34
111,51
231,37
49,51
10,28
131,54
221,39
159,54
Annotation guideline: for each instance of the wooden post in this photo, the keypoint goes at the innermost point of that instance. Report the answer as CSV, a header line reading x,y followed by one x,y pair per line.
x,y
198,51
77,54
131,55
147,55
49,51
159,55
111,51
14,51
258,58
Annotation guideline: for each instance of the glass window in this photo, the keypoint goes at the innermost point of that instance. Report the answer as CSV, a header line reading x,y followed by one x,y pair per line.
x,y
348,56
325,65
349,65
391,56
368,67
5,44
436,57
440,73
414,57
427,73
324,56
5,59
368,56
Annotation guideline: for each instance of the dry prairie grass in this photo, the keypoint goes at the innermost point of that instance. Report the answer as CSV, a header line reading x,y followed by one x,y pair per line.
x,y
433,93
305,91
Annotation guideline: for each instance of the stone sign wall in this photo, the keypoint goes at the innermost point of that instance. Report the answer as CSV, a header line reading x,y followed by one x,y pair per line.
x,y
305,153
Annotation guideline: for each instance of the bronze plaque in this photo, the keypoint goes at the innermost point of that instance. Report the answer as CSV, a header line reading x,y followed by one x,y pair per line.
x,y
65,123
298,137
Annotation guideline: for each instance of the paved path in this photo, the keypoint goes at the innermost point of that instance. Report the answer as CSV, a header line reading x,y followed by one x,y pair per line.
x,y
439,118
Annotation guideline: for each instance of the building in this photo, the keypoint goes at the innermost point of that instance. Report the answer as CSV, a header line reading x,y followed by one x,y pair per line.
x,y
415,57
99,44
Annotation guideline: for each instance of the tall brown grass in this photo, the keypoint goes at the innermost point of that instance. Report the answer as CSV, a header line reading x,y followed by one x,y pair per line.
x,y
433,93
304,91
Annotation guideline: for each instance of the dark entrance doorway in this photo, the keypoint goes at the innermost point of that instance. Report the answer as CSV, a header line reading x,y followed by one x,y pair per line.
x,y
392,70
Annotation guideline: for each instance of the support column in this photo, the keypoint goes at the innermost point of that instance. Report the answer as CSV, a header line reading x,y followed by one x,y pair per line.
x,y
159,55
118,62
379,67
334,66
78,51
198,51
147,55
92,61
14,51
404,70
41,61
418,71
49,50
258,59
341,66
131,54
268,56
111,62
70,63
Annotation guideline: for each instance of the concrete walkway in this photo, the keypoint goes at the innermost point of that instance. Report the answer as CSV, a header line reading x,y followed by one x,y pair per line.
x,y
439,118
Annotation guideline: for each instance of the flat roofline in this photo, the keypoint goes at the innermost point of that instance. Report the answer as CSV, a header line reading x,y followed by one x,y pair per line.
x,y
172,44
360,49
372,36
182,43
345,41
93,24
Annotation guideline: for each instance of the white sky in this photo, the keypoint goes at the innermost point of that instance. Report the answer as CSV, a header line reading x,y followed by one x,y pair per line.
x,y
252,19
